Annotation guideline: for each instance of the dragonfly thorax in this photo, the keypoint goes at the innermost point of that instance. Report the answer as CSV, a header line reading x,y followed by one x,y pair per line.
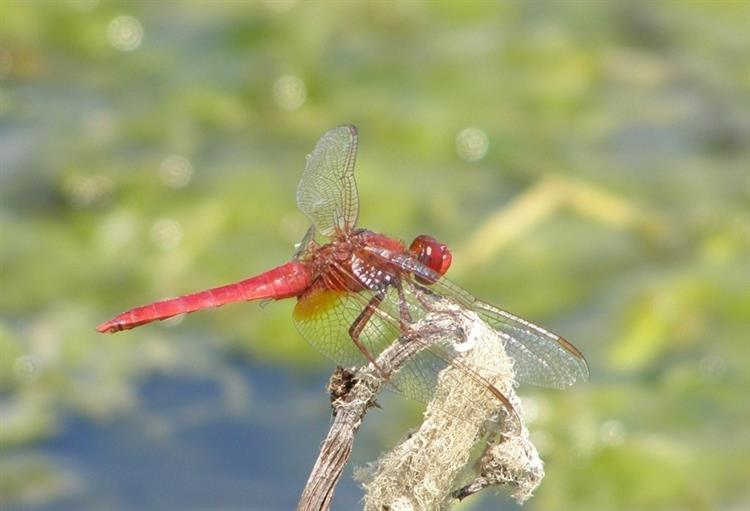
x,y
346,264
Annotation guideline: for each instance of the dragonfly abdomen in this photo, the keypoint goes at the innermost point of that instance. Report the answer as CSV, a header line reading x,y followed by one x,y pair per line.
x,y
285,281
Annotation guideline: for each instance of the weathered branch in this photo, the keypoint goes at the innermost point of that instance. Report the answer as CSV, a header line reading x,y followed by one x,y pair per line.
x,y
352,394
422,472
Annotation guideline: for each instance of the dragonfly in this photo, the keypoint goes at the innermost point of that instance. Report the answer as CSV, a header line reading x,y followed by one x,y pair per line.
x,y
361,290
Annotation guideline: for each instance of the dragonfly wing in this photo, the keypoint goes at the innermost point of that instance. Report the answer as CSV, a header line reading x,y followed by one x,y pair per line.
x,y
540,357
327,191
324,317
452,360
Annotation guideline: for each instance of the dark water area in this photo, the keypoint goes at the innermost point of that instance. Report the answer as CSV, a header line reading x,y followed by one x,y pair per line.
x,y
184,450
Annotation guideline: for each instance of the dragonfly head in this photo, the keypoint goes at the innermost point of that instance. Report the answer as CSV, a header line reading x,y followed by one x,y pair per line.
x,y
433,254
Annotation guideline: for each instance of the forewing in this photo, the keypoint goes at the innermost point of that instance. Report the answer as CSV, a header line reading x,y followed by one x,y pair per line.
x,y
324,318
327,191
449,357
540,356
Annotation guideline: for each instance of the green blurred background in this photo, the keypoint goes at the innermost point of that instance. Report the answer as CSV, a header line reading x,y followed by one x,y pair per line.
x,y
587,161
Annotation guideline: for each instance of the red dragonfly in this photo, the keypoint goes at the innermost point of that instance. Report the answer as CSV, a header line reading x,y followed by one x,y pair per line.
x,y
357,293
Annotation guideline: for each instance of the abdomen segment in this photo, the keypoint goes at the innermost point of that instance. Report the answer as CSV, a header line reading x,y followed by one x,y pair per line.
x,y
284,281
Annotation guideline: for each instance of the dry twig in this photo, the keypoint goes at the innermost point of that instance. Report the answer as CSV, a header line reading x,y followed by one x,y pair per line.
x,y
423,471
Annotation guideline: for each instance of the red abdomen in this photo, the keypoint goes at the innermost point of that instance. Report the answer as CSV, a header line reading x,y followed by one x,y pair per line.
x,y
285,281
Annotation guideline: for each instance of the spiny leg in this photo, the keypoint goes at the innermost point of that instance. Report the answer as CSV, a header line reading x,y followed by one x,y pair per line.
x,y
423,294
359,324
403,307
405,319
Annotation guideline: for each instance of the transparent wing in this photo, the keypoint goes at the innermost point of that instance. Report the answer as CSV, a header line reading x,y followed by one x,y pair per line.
x,y
540,357
324,317
305,245
327,192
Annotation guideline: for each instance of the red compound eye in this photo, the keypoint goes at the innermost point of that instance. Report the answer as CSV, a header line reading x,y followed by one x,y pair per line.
x,y
436,256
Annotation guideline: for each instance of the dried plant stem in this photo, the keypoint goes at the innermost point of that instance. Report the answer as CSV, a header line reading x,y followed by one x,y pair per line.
x,y
349,408
423,471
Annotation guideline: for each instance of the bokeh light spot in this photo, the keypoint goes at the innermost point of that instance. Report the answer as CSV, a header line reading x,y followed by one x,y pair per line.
x,y
713,367
289,92
472,144
83,191
27,368
166,233
612,432
125,33
175,171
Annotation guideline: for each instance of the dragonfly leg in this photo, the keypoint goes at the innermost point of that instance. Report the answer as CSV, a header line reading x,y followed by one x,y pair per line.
x,y
424,296
403,307
359,324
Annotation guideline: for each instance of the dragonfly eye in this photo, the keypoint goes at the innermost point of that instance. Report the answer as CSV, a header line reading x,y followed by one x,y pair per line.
x,y
433,254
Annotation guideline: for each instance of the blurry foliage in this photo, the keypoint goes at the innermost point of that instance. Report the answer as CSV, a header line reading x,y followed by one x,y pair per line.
x,y
609,203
